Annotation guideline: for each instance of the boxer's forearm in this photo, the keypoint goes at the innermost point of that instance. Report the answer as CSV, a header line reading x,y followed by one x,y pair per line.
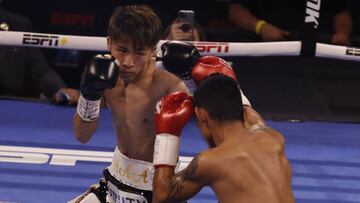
x,y
161,181
84,130
171,187
251,118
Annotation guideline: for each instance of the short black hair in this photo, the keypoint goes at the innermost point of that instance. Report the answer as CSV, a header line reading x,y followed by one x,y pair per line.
x,y
220,96
136,22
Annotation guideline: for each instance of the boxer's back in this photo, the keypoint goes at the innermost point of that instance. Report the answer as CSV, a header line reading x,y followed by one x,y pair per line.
x,y
253,169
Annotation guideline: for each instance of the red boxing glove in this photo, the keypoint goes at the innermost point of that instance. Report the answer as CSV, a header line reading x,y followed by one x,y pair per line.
x,y
172,113
208,65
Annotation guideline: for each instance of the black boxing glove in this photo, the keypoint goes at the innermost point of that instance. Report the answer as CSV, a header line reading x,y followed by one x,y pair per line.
x,y
101,73
179,57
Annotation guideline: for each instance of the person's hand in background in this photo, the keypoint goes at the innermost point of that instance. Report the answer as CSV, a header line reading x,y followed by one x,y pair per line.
x,y
340,39
66,96
343,28
269,32
177,33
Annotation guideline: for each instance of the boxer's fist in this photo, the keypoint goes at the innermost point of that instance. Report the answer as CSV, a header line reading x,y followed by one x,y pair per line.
x,y
208,65
179,57
172,113
101,73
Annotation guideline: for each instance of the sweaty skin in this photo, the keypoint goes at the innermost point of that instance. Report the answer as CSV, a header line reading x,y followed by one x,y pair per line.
x,y
255,169
132,101
245,166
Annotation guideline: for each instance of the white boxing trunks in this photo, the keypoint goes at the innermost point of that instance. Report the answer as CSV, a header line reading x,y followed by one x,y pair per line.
x,y
126,180
129,179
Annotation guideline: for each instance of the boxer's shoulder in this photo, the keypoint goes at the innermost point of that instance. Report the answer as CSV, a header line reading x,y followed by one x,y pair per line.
x,y
271,134
215,163
200,168
267,139
165,79
210,158
163,75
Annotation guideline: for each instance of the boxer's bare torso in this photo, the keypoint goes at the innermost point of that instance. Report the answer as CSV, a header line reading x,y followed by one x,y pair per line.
x,y
132,107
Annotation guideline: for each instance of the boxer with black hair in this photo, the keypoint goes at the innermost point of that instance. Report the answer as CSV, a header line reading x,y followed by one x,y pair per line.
x,y
246,161
127,82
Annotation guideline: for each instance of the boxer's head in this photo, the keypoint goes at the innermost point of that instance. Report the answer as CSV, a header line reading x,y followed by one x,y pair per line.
x,y
133,33
217,100
138,24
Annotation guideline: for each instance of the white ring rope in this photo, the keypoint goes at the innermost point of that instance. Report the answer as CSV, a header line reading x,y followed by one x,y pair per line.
x,y
99,44
52,41
337,52
290,48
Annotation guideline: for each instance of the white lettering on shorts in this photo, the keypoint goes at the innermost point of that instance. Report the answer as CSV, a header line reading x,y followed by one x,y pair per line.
x,y
117,196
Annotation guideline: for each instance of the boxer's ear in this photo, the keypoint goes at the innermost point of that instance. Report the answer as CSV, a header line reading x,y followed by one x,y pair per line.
x,y
201,114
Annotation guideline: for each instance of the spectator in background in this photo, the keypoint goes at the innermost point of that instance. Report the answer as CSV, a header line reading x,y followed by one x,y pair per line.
x,y
174,32
277,20
212,18
184,27
24,71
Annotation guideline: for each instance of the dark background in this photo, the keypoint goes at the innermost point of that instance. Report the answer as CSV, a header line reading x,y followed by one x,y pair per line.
x,y
284,88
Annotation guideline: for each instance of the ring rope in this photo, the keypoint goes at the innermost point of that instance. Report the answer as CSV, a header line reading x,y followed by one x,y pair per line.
x,y
222,49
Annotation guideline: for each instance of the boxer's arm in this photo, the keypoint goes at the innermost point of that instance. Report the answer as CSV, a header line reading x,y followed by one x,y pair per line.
x,y
180,86
176,84
254,122
171,187
84,130
99,75
252,119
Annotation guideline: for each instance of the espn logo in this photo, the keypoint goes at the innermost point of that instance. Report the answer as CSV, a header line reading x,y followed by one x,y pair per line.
x,y
72,19
312,12
208,47
352,51
36,39
60,157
